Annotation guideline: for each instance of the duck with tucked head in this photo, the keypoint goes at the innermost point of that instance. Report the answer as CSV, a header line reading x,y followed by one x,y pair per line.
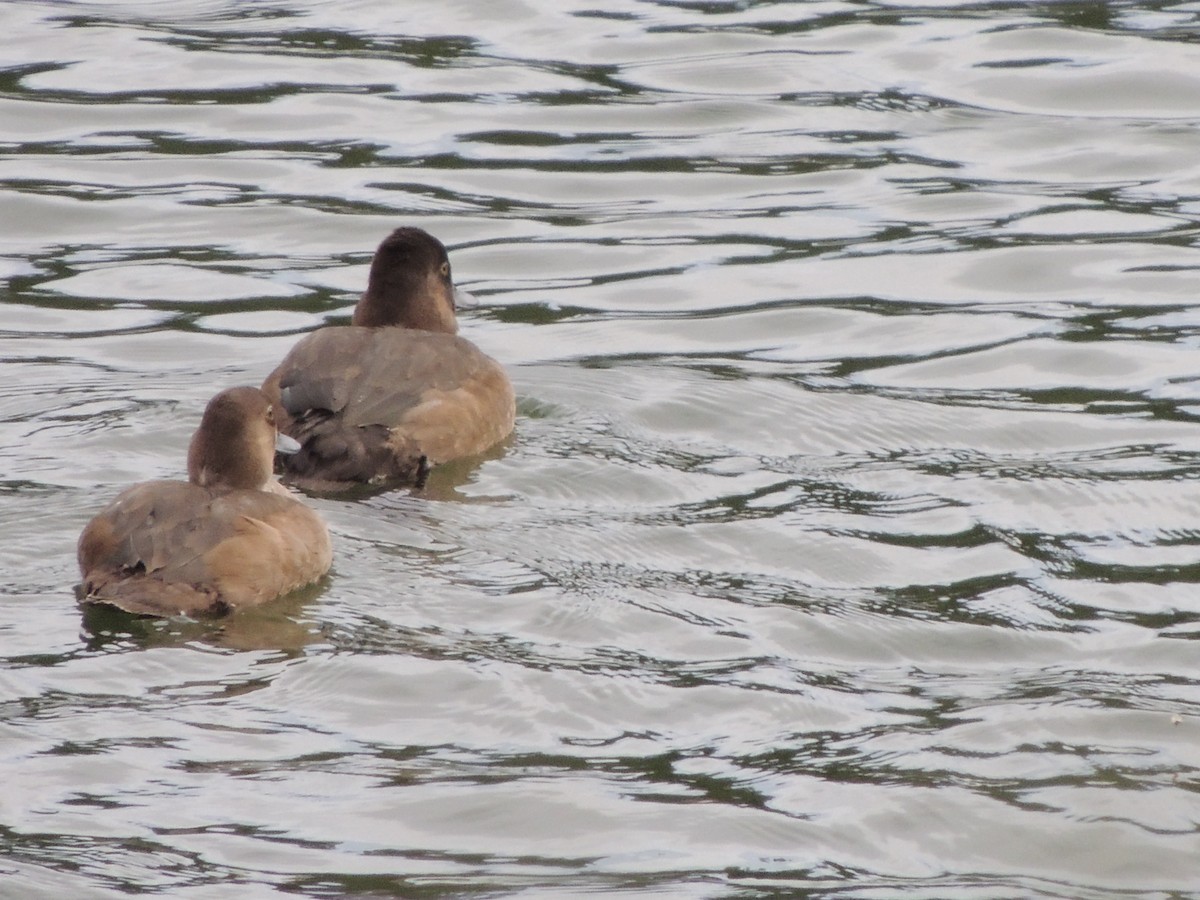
x,y
379,401
228,537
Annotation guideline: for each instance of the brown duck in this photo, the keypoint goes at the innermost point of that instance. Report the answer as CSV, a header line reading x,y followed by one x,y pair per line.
x,y
379,401
228,537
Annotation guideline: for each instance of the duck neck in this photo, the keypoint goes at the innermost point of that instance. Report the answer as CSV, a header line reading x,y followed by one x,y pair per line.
x,y
398,302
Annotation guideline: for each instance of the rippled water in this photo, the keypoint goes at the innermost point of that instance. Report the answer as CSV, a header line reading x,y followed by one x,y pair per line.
x,y
849,541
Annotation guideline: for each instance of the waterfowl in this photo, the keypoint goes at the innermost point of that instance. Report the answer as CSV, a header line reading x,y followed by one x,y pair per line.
x,y
228,537
397,391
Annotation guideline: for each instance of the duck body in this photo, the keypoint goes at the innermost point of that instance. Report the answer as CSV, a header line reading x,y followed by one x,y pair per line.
x,y
381,400
229,537
170,547
395,402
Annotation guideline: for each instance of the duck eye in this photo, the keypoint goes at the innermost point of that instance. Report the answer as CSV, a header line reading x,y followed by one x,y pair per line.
x,y
271,414
445,270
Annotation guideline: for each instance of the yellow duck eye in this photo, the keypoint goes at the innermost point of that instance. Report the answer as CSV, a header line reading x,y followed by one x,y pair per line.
x,y
445,270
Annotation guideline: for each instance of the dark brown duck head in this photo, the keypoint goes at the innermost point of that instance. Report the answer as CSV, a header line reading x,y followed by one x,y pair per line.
x,y
409,285
234,447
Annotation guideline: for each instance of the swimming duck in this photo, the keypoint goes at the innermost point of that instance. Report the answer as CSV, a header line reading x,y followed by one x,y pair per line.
x,y
228,537
381,400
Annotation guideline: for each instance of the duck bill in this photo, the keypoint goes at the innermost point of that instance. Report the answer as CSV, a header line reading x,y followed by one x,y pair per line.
x,y
464,300
286,445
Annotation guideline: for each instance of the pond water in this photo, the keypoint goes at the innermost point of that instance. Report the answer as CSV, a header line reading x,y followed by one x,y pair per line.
x,y
849,539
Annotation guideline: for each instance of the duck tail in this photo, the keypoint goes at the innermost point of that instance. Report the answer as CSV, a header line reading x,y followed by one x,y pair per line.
x,y
145,595
334,456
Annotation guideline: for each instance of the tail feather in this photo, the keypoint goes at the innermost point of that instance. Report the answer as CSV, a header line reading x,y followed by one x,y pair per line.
x,y
335,456
145,595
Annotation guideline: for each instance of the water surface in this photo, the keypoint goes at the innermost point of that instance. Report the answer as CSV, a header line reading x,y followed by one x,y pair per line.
x,y
847,545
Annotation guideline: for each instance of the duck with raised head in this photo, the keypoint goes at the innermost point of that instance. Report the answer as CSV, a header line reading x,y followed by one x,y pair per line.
x,y
379,401
229,537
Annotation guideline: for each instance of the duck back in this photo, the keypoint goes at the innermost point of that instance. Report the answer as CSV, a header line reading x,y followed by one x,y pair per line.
x,y
170,547
375,405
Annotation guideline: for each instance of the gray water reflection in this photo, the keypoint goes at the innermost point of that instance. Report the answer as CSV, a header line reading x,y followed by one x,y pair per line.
x,y
847,544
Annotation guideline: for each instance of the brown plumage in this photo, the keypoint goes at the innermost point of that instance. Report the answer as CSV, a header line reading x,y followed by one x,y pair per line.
x,y
228,537
397,391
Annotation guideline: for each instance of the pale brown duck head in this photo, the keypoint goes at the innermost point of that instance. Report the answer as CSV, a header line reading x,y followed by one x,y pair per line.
x,y
234,447
410,285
